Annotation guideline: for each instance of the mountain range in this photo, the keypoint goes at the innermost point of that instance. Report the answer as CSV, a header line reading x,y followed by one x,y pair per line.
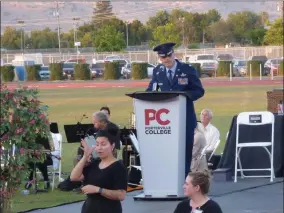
x,y
37,15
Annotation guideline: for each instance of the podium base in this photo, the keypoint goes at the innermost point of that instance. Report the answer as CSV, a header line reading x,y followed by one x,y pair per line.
x,y
142,196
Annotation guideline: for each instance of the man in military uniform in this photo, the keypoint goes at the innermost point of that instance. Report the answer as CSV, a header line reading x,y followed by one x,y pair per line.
x,y
173,75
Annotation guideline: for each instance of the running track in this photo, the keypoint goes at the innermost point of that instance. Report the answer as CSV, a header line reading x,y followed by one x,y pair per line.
x,y
133,84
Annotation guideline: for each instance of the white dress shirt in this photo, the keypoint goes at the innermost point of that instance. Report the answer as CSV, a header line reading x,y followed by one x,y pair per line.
x,y
173,69
212,135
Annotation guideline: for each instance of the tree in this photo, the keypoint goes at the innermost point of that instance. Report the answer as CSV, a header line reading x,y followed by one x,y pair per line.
x,y
67,39
102,12
23,119
43,39
264,17
274,35
108,39
189,29
85,28
213,16
11,38
241,23
221,32
87,40
137,33
257,35
162,18
118,24
167,33
175,15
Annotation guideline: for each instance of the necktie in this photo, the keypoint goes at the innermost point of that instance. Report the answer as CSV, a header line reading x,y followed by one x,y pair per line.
x,y
170,76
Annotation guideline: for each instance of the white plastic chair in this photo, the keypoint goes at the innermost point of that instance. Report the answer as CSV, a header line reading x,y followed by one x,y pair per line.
x,y
244,118
214,149
202,154
56,157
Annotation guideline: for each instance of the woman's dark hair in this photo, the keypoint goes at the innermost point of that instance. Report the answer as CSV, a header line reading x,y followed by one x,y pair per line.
x,y
109,133
201,179
106,109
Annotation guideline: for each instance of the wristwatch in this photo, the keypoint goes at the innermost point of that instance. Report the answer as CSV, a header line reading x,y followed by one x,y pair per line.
x,y
100,190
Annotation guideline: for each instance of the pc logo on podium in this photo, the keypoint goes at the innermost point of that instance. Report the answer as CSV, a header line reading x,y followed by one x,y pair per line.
x,y
157,121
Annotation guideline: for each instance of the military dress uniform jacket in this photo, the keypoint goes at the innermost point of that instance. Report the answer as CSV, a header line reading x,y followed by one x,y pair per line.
x,y
185,79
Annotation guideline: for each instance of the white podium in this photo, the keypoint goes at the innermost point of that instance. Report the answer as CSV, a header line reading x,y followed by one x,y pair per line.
x,y
161,133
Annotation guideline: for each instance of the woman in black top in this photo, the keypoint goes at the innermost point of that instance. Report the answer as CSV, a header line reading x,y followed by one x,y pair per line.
x,y
104,179
196,187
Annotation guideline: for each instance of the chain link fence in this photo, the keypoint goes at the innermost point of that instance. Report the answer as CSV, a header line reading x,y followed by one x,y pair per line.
x,y
151,57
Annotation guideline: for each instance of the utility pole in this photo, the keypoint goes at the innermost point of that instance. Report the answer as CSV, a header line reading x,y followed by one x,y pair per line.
x,y
183,36
56,13
126,33
22,36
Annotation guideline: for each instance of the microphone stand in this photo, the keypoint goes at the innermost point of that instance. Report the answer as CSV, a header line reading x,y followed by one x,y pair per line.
x,y
81,132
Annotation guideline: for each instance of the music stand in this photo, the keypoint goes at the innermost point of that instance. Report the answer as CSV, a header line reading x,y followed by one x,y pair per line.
x,y
126,140
44,141
75,132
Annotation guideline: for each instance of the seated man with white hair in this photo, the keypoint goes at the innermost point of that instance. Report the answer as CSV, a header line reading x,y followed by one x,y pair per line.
x,y
211,133
101,122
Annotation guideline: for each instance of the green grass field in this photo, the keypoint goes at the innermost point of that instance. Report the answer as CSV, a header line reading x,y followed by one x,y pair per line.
x,y
66,106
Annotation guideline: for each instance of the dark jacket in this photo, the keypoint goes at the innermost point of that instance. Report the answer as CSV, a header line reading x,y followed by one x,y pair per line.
x,y
185,79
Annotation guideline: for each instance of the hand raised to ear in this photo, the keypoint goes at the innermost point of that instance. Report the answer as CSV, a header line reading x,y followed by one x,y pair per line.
x,y
87,150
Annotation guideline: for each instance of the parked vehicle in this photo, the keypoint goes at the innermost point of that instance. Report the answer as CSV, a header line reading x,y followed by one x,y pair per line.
x,y
44,73
225,57
272,65
126,70
68,69
75,60
240,68
261,58
97,69
122,62
208,64
112,57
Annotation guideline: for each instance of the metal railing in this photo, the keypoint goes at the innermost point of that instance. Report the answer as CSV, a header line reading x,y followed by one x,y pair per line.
x,y
151,57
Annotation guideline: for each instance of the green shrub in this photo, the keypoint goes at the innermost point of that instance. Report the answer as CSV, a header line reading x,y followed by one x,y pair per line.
x,y
197,67
139,71
281,67
255,68
111,70
224,68
193,46
82,72
56,71
7,73
33,72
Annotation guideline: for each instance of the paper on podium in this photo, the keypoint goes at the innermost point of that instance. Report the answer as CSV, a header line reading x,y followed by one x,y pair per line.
x,y
134,141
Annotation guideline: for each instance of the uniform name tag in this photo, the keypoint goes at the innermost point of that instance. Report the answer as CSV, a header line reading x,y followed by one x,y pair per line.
x,y
183,81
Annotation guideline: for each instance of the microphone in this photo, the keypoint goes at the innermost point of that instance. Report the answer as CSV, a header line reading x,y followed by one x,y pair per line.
x,y
154,87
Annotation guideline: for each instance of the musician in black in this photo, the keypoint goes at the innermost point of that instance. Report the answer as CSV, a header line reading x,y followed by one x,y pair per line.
x,y
104,178
45,143
106,110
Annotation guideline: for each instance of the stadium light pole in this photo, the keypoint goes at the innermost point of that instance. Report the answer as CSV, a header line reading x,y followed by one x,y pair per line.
x,y
56,13
75,22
